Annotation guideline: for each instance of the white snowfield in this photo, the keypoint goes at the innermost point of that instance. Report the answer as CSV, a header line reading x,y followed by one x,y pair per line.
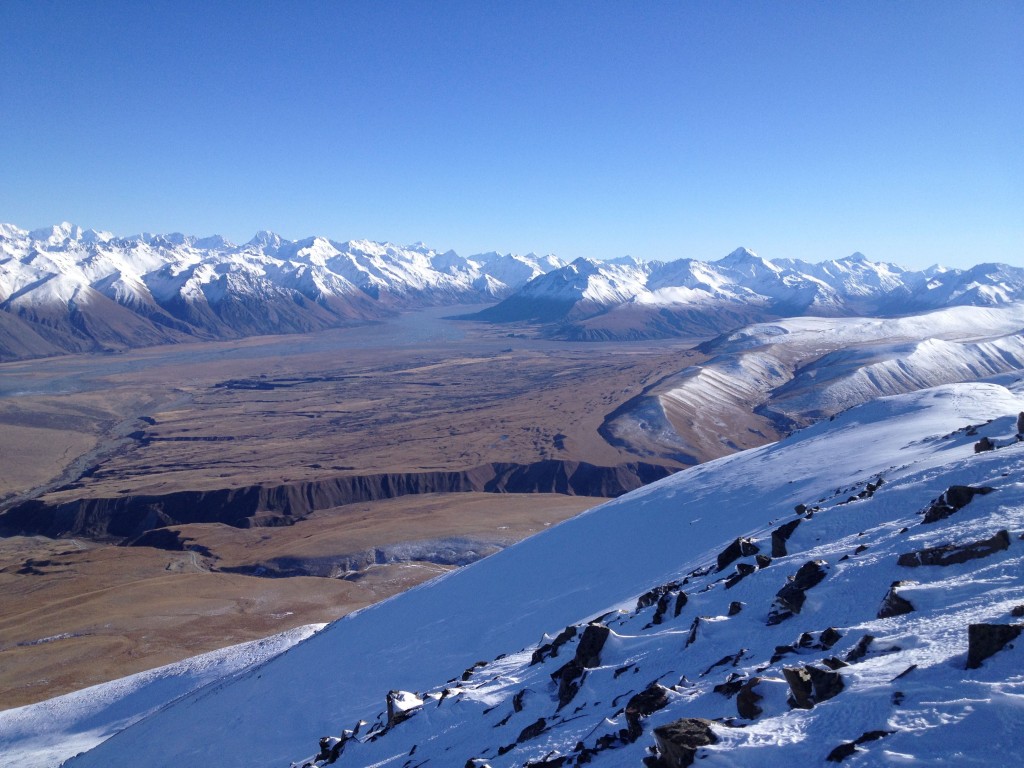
x,y
65,261
865,477
816,366
43,735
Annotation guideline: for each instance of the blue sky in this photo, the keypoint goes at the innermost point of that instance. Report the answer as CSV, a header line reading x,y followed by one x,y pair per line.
x,y
661,130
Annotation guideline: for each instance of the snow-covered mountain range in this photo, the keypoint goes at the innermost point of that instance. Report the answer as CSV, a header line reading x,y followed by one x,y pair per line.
x,y
854,593
66,289
632,299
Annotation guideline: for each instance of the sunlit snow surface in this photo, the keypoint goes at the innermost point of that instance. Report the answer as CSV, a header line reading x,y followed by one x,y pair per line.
x,y
43,735
597,564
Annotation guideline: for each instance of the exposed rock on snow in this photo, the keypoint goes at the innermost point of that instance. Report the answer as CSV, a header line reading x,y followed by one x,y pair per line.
x,y
950,554
984,640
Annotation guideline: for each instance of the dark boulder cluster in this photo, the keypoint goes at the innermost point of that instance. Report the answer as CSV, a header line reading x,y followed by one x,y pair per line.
x,y
740,547
677,743
790,599
662,597
588,656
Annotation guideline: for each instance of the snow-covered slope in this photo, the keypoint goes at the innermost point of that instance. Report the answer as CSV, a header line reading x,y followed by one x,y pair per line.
x,y
767,378
634,299
64,288
793,570
43,735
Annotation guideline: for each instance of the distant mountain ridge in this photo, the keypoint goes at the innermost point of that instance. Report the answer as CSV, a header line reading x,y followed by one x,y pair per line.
x,y
66,289
631,299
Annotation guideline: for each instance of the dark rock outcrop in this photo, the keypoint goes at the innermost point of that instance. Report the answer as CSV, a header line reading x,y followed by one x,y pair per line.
x,y
781,535
740,547
742,571
549,650
985,444
984,640
893,604
588,656
860,650
809,685
790,599
645,703
747,698
532,731
954,498
678,742
952,554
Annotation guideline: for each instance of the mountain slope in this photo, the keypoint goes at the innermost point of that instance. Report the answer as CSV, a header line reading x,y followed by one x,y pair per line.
x,y
765,379
859,512
636,300
66,289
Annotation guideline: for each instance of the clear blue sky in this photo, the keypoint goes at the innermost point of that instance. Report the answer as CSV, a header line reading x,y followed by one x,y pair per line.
x,y
662,130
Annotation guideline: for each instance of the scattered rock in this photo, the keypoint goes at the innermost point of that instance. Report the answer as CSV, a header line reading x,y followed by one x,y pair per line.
x,y
736,606
678,742
731,686
692,637
740,547
588,652
893,604
742,571
330,749
532,731
848,748
952,553
834,663
747,698
763,561
953,499
401,706
860,650
645,703
469,672
810,685
781,535
984,640
1017,611
588,655
647,599
984,445
829,637
517,701
790,599
1020,423
549,650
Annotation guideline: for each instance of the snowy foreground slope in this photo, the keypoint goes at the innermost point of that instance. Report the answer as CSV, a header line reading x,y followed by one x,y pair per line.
x,y
45,734
683,630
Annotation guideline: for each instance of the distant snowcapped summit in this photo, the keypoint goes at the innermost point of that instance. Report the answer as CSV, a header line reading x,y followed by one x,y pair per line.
x,y
630,299
65,289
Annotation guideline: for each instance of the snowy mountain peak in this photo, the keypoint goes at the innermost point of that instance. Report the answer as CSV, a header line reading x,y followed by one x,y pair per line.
x,y
739,255
266,239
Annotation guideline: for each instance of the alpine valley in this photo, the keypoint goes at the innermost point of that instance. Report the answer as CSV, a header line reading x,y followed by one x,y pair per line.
x,y
308,503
